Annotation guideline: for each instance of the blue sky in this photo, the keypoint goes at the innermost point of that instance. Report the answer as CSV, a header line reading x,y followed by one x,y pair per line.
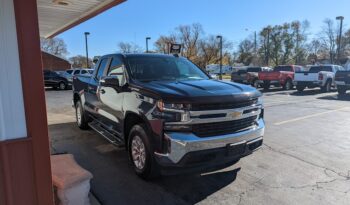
x,y
133,20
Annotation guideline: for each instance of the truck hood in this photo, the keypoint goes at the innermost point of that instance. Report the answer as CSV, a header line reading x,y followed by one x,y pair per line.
x,y
199,91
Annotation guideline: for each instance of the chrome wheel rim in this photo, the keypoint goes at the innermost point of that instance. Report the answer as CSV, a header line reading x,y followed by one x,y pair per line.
x,y
62,86
138,152
78,115
288,85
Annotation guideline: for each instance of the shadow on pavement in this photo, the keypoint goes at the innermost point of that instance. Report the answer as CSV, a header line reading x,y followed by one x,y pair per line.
x,y
336,97
307,92
114,180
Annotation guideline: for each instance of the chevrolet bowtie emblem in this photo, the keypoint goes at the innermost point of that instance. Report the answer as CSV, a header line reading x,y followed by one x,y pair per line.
x,y
235,114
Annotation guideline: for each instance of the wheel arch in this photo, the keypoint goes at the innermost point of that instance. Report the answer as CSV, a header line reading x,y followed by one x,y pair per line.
x,y
131,119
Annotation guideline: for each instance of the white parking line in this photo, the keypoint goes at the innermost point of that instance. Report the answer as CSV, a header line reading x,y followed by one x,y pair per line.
x,y
310,116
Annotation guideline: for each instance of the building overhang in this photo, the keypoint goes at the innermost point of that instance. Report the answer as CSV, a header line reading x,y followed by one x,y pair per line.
x,y
57,16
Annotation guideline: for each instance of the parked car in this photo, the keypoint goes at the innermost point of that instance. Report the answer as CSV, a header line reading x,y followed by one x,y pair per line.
x,y
280,76
52,79
318,76
68,74
342,80
171,117
250,76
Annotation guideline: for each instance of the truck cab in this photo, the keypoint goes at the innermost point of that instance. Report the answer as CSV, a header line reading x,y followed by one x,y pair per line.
x,y
169,115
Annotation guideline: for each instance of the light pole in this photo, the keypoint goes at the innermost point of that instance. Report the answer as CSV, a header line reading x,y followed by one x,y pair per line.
x,y
255,41
341,18
147,39
86,47
220,38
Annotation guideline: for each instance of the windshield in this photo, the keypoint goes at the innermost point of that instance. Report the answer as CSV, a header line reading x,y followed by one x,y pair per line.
x,y
283,68
254,69
316,69
148,68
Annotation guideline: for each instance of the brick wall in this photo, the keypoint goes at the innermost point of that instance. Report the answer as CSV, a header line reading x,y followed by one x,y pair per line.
x,y
54,63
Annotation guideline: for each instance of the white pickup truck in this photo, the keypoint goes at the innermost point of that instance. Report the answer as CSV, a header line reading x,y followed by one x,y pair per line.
x,y
318,76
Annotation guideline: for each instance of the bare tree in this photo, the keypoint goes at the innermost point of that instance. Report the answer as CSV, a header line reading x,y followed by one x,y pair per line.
x,y
328,38
189,36
163,42
55,46
79,61
125,47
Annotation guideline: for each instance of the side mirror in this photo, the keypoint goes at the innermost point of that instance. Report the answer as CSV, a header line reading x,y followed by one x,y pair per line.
x,y
95,59
112,82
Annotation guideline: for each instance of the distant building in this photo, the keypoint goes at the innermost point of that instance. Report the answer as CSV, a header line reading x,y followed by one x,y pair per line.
x,y
53,62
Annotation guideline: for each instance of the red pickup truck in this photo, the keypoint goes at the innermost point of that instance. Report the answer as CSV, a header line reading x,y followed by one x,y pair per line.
x,y
280,76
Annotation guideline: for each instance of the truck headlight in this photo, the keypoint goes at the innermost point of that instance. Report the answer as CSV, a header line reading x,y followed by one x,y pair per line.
x,y
172,112
260,101
172,106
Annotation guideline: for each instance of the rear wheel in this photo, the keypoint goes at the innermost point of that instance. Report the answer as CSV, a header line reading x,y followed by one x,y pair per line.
x,y
81,118
327,87
141,153
266,85
300,88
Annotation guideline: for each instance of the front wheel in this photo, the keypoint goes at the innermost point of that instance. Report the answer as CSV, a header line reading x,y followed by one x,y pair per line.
x,y
341,90
62,86
141,153
288,85
255,84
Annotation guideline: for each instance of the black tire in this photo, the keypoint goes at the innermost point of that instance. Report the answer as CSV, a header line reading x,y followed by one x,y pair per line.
x,y
266,85
327,87
81,117
255,83
341,90
62,85
149,169
288,85
300,88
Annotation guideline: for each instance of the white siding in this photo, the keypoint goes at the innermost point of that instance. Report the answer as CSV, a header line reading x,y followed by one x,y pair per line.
x,y
12,117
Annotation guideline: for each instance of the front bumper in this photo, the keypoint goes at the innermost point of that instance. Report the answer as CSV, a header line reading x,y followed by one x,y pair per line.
x,y
187,145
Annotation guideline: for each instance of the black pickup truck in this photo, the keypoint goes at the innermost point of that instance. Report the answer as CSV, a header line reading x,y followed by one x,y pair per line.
x,y
342,80
171,117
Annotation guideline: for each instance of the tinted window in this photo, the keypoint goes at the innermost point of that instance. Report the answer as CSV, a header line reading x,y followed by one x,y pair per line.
x,y
69,71
316,69
84,72
101,68
116,69
284,68
76,72
254,69
164,68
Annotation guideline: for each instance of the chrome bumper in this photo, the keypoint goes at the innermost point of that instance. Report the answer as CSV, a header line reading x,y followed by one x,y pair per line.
x,y
183,143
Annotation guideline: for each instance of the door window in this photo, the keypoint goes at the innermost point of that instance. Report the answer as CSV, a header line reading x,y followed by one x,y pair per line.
x,y
76,72
101,68
116,69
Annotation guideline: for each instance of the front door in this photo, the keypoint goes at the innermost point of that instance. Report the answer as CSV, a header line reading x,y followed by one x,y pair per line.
x,y
111,99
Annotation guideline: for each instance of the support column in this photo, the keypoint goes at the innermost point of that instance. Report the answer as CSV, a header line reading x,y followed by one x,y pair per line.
x,y
25,172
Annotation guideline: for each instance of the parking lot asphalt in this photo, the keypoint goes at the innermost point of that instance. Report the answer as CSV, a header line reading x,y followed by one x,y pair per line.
x,y
305,158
